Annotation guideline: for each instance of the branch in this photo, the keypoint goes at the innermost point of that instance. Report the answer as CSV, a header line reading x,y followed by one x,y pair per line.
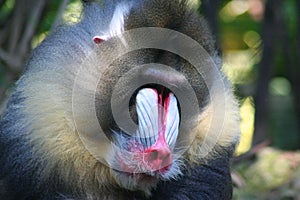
x,y
31,26
3,104
9,78
15,28
60,12
13,62
250,154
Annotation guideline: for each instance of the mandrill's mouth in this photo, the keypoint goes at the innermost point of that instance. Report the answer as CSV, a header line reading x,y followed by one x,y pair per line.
x,y
151,175
148,152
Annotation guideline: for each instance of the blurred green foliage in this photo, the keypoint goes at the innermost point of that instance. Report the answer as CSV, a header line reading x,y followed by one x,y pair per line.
x,y
241,41
272,176
6,9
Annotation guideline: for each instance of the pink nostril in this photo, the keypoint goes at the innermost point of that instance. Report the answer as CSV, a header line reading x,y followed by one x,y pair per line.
x,y
161,154
159,158
153,155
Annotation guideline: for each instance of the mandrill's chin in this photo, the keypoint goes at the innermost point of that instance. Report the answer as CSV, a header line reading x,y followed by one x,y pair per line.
x,y
145,182
136,182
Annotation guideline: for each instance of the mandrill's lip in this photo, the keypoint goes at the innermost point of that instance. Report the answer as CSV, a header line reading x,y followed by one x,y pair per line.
x,y
145,176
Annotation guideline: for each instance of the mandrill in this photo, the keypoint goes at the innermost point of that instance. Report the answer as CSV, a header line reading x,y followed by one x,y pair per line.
x,y
128,103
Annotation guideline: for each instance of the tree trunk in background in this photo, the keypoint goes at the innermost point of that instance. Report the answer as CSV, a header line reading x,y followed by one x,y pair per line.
x,y
295,71
210,10
266,69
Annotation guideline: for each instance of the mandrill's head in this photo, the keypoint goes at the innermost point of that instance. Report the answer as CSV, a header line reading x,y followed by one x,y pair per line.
x,y
156,79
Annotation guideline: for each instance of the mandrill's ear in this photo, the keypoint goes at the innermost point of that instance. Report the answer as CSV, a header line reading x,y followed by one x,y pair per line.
x,y
99,39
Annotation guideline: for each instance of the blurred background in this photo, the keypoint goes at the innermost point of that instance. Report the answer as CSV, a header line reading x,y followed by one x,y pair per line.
x,y
259,41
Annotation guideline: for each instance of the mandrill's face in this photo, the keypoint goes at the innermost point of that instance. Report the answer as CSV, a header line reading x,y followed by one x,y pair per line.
x,y
150,149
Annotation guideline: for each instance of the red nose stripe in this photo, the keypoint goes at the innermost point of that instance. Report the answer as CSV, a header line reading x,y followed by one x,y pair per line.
x,y
159,155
